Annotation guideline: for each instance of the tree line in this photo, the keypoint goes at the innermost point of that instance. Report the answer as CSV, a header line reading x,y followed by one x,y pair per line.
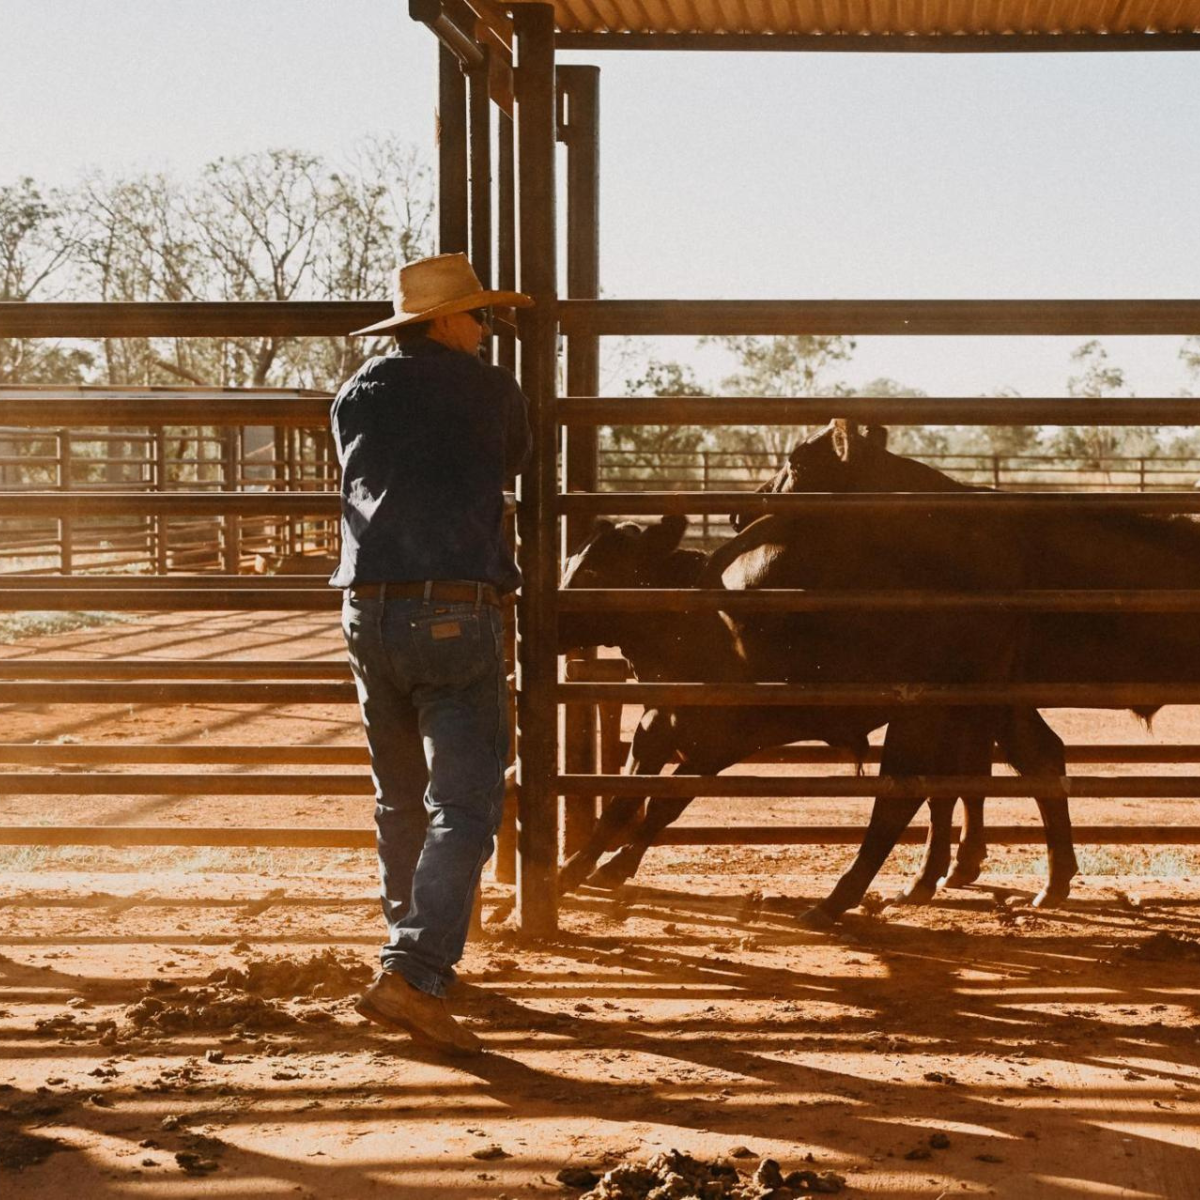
x,y
291,225
272,225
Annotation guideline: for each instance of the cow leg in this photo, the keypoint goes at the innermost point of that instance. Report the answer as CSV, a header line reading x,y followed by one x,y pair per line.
x,y
937,854
969,754
972,847
660,812
707,742
1035,749
652,748
917,743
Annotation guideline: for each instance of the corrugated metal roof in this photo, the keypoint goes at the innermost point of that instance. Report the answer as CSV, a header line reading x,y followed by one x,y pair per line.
x,y
861,17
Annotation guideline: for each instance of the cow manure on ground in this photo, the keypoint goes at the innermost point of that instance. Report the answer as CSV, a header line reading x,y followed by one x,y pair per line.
x,y
676,1176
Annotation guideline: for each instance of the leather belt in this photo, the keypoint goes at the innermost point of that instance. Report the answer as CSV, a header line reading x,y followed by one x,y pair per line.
x,y
450,590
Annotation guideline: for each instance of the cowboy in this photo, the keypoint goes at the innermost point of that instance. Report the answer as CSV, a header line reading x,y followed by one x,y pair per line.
x,y
427,438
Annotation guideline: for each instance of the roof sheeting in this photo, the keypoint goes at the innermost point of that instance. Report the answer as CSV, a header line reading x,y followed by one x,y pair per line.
x,y
900,18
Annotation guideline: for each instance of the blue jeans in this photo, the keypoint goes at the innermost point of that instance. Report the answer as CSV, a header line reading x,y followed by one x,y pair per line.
x,y
430,679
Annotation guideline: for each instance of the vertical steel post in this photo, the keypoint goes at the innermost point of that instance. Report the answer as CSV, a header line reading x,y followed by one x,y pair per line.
x,y
506,239
537,523
161,557
480,128
231,534
580,90
66,532
452,154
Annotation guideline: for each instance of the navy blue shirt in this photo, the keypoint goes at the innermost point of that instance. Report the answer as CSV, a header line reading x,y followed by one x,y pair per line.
x,y
427,438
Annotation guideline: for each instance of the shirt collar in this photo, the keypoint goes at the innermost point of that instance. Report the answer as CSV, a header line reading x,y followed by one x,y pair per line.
x,y
422,346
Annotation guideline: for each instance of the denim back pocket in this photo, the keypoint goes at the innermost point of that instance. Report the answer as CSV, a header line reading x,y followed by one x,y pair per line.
x,y
449,645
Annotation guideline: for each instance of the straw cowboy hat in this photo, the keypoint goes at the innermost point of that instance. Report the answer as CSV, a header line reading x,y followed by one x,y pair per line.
x,y
437,287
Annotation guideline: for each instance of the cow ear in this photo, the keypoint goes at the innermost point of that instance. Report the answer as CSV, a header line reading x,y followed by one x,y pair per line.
x,y
664,537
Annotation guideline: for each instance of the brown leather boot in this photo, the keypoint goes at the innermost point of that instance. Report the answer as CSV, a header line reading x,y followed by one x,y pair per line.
x,y
391,1000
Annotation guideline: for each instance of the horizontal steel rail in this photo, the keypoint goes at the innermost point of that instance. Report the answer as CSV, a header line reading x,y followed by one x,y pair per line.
x,y
291,318
198,691
615,317
168,669
71,412
100,599
179,581
86,783
81,503
780,600
757,835
114,754
889,410
873,695
884,787
79,783
589,504
1007,318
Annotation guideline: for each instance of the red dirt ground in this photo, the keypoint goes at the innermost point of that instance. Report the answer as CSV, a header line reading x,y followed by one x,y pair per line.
x,y
1058,1054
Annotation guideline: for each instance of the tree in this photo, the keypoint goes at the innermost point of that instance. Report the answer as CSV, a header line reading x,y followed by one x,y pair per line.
x,y
645,448
796,365
34,251
1093,444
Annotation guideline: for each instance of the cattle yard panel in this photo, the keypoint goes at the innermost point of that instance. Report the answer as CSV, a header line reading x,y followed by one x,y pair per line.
x,y
550,104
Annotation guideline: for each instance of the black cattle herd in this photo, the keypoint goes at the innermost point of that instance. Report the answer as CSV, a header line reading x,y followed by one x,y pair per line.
x,y
901,547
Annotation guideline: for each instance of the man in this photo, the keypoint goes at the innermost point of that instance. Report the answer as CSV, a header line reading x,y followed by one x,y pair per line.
x,y
427,438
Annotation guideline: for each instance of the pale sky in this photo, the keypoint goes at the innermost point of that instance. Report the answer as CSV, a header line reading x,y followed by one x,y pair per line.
x,y
740,176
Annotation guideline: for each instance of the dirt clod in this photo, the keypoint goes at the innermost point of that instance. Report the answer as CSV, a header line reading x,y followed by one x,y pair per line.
x,y
578,1177
487,1153
194,1164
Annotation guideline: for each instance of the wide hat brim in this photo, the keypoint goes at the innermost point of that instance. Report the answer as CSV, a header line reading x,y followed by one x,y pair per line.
x,y
480,299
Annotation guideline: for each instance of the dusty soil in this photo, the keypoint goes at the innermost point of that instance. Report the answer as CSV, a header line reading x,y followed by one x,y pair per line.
x,y
179,1023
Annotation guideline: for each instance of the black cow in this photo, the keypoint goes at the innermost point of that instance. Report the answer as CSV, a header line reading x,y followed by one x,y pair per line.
x,y
1076,550
702,647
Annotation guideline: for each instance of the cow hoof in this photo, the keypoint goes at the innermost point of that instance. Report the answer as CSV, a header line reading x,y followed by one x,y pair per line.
x,y
817,918
574,871
962,875
1051,896
608,878
917,892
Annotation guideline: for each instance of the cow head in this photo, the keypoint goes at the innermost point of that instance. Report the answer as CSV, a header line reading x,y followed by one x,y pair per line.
x,y
841,457
624,555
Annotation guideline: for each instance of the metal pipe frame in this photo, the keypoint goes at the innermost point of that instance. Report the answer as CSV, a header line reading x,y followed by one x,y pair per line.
x,y
195,691
61,754
452,154
51,598
1044,503
695,835
585,409
895,43
167,670
537,832
783,600
948,787
882,695
657,318
579,130
305,412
